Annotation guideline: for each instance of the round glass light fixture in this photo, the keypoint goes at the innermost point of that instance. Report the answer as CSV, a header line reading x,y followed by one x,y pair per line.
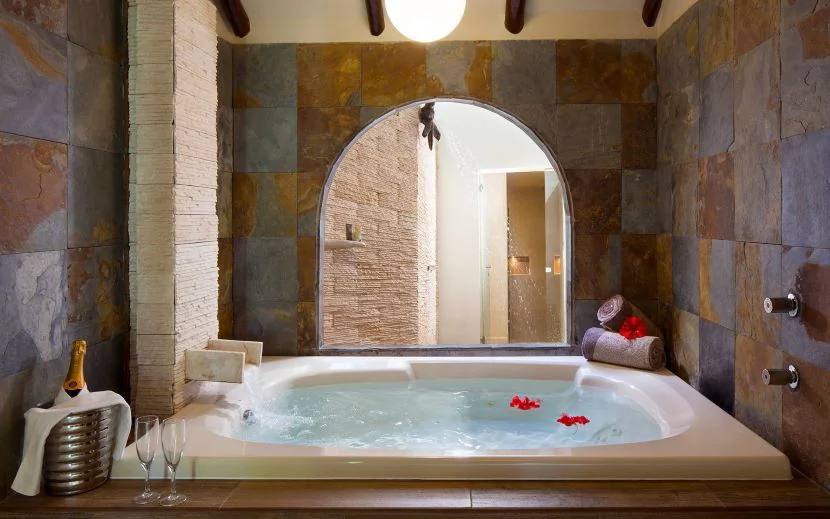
x,y
425,20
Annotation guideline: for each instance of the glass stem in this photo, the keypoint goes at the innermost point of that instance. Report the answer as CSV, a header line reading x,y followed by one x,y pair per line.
x,y
173,480
147,479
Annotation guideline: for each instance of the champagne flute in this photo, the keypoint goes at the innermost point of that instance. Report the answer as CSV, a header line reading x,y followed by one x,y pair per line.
x,y
173,435
146,441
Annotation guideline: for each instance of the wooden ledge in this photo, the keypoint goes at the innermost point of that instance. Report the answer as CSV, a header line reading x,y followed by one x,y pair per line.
x,y
425,499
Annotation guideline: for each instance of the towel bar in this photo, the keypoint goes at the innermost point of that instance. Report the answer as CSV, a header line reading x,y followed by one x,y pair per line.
x,y
78,453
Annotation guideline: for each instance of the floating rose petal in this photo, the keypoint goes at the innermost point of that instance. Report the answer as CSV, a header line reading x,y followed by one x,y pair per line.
x,y
568,420
524,404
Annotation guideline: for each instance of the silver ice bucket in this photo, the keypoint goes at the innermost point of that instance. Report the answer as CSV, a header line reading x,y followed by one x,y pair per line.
x,y
78,453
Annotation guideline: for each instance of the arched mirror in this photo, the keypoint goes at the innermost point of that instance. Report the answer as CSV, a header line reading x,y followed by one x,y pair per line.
x,y
445,223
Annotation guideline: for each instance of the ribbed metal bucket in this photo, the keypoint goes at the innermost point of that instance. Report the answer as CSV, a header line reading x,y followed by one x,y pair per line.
x,y
78,452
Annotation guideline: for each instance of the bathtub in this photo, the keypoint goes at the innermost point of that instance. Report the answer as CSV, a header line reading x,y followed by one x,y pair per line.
x,y
698,440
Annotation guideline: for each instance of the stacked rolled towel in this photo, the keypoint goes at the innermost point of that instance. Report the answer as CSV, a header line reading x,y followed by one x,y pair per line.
x,y
604,346
616,310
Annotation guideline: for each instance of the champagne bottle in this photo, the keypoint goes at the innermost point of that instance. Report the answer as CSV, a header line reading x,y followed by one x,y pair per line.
x,y
74,384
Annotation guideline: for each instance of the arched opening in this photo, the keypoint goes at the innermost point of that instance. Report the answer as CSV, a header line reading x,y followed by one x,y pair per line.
x,y
487,167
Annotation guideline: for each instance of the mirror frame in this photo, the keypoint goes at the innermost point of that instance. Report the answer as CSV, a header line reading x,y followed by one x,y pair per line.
x,y
566,348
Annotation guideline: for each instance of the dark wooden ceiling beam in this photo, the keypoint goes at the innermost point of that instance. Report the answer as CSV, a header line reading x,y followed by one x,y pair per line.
x,y
374,9
514,16
237,17
651,9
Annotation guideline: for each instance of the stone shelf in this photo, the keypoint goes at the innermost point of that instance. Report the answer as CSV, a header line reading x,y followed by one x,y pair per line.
x,y
343,244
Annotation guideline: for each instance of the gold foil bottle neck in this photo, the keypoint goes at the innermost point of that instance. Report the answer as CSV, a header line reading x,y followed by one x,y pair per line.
x,y
74,381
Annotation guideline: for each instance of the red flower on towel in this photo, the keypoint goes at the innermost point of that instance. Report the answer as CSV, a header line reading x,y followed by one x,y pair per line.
x,y
525,403
633,328
568,420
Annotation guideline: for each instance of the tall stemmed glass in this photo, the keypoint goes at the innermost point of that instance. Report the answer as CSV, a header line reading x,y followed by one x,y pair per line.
x,y
146,442
173,435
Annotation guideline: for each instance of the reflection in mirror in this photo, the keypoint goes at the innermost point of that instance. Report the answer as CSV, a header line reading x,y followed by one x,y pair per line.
x,y
464,243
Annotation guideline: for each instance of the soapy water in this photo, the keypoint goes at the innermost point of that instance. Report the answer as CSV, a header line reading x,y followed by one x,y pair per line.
x,y
445,414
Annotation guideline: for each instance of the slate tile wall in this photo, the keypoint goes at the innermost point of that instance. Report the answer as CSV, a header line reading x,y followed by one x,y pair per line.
x,y
295,106
63,177
744,139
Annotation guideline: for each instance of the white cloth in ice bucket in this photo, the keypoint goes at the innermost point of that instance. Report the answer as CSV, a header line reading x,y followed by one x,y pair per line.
x,y
39,423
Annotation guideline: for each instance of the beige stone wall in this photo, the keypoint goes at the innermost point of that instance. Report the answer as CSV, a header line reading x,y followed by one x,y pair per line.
x,y
427,228
378,293
173,171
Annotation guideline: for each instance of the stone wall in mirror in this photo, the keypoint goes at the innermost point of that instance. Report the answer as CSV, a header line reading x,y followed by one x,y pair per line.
x,y
461,241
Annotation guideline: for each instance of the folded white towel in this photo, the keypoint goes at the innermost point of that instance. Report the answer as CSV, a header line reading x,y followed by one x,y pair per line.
x,y
39,423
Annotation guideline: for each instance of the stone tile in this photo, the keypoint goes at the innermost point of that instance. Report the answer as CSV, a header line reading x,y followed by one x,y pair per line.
x,y
717,365
805,75
104,365
524,72
98,26
717,129
716,198
97,294
322,135
307,268
224,137
717,34
639,210
684,349
370,114
393,73
755,22
679,121
756,405
597,263
806,272
678,53
328,74
97,198
33,99
794,11
758,193
639,136
686,273
663,252
96,101
264,205
665,197
639,71
806,422
265,75
265,139
758,95
539,118
224,73
585,316
805,160
33,289
588,71
33,194
463,68
639,262
225,318
273,323
309,187
307,329
224,204
595,196
717,282
225,264
589,136
265,269
48,14
758,276
685,188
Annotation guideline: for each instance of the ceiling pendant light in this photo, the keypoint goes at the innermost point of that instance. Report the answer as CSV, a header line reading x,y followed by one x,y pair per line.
x,y
425,20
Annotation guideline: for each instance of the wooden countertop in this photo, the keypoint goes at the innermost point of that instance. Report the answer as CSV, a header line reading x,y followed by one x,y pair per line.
x,y
799,498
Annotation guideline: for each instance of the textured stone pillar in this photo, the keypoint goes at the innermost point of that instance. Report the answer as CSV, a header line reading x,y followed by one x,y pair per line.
x,y
173,170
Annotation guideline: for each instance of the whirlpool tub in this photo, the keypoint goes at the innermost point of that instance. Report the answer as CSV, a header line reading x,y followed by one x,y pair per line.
x,y
462,418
